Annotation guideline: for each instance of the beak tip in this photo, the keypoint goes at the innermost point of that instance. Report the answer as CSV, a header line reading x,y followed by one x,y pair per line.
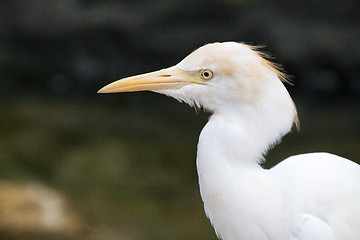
x,y
110,88
103,90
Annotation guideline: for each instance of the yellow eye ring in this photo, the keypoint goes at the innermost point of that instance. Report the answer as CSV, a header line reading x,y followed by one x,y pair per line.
x,y
206,74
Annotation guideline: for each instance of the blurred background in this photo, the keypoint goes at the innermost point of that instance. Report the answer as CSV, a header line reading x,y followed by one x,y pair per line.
x,y
78,165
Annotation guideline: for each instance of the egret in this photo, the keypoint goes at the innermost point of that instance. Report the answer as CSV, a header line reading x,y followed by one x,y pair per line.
x,y
314,196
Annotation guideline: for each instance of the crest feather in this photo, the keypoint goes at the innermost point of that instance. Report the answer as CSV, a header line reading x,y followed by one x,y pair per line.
x,y
274,67
279,70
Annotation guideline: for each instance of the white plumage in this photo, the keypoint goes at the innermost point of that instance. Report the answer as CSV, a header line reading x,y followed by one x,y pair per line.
x,y
305,197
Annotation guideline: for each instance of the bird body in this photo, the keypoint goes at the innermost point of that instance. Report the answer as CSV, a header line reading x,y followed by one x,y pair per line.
x,y
305,197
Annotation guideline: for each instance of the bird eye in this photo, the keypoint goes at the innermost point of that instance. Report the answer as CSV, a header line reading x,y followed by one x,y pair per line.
x,y
206,74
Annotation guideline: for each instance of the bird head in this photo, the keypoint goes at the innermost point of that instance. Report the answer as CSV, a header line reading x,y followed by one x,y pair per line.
x,y
217,77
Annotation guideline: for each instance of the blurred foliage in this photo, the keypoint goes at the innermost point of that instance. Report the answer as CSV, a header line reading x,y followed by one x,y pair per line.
x,y
61,46
123,168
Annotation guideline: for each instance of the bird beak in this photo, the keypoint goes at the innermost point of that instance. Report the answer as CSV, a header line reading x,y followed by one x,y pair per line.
x,y
169,78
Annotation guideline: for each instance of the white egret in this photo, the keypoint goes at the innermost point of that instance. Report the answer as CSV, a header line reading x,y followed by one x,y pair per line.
x,y
312,196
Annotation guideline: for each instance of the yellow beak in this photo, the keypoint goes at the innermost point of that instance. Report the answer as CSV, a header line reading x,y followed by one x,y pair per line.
x,y
169,78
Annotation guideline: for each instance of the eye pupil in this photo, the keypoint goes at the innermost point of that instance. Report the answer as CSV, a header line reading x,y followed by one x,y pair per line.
x,y
207,74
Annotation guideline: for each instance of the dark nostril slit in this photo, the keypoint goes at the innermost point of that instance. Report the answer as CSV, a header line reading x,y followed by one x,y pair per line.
x,y
165,75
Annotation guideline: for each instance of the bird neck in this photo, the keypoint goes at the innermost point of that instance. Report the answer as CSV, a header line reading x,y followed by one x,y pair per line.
x,y
230,148
242,134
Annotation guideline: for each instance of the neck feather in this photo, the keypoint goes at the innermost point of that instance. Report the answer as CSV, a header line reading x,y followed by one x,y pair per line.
x,y
244,133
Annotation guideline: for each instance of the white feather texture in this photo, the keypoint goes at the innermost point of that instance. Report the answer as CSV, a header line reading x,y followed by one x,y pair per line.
x,y
305,197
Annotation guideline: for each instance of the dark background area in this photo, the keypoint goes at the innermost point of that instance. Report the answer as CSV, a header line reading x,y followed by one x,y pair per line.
x,y
126,162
